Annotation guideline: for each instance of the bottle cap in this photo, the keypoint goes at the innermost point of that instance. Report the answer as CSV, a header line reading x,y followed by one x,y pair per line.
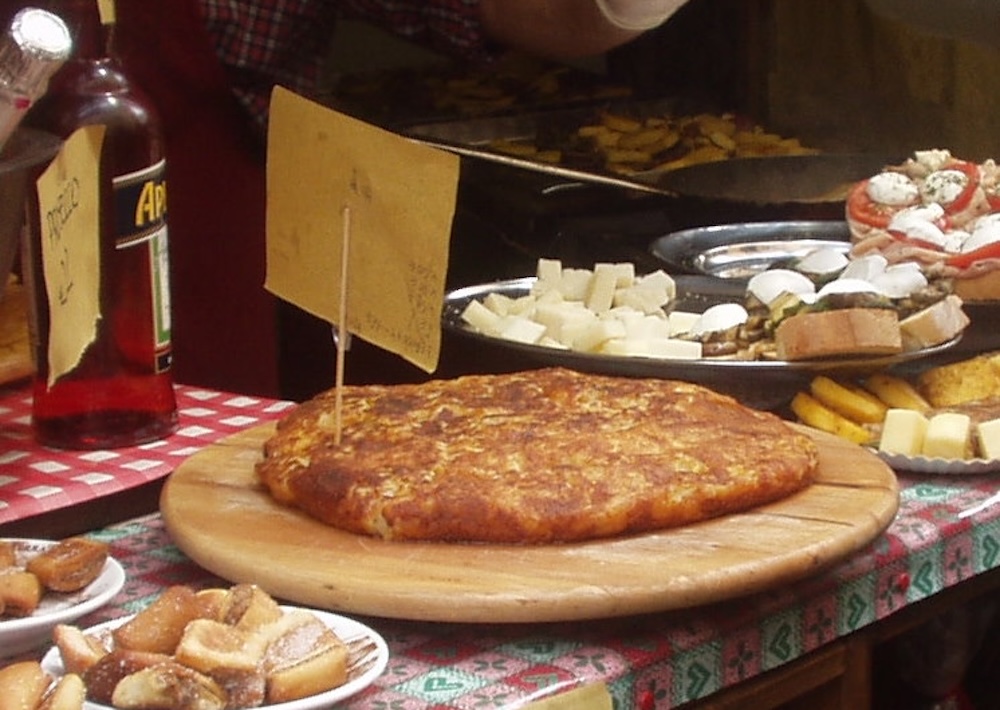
x,y
35,47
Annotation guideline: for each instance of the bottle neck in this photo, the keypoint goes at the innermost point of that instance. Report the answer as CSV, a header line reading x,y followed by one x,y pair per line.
x,y
92,40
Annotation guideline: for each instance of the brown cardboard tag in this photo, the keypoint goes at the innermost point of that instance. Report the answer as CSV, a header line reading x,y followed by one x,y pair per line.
x,y
106,11
69,202
400,196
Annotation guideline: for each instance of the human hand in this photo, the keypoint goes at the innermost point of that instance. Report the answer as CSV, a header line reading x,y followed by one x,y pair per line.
x,y
638,14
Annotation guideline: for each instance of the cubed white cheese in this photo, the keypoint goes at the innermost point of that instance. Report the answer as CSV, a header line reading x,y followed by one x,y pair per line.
x,y
523,306
521,329
647,326
674,349
601,290
647,299
595,334
557,316
948,436
552,295
481,318
575,284
499,303
988,437
549,270
624,273
626,347
682,321
903,432
659,279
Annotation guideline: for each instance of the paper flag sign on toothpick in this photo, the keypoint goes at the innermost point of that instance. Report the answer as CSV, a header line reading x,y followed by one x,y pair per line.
x,y
401,199
69,202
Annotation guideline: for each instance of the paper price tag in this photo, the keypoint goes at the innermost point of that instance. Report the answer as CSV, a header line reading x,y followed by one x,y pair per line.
x,y
69,202
106,11
400,197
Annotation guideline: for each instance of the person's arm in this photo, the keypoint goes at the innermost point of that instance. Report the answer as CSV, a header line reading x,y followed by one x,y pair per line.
x,y
571,28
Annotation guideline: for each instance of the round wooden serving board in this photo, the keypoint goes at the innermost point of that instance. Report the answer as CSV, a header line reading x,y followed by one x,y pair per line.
x,y
220,517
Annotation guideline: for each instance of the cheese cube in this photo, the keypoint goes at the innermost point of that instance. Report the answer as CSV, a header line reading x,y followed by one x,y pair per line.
x,y
948,436
661,281
563,320
624,272
594,335
575,283
522,306
549,270
520,329
601,290
682,321
499,303
646,326
481,318
548,296
988,436
626,347
674,349
647,299
903,432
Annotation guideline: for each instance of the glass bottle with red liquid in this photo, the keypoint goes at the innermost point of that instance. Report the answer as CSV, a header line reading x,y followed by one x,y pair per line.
x,y
121,391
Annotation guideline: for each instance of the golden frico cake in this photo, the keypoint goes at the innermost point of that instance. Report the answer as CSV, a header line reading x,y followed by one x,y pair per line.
x,y
533,457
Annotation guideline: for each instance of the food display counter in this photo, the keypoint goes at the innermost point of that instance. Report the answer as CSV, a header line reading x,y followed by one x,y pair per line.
x,y
826,637
813,638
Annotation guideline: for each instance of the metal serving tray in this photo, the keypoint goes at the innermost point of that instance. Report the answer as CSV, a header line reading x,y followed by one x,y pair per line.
x,y
738,251
765,384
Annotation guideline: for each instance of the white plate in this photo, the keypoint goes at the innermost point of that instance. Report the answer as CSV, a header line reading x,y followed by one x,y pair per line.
x,y
369,656
951,467
23,634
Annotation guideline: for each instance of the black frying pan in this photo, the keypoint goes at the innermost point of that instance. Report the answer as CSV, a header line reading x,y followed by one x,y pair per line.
x,y
820,178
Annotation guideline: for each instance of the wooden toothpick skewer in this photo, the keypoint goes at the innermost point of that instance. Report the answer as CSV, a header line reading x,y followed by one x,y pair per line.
x,y
342,324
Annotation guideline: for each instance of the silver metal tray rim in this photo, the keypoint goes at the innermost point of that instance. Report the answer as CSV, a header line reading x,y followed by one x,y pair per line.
x,y
698,249
458,299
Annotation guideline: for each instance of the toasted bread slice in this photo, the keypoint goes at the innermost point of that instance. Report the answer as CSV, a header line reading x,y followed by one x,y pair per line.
x,y
836,333
243,689
67,693
22,685
70,564
305,658
20,592
8,554
212,602
209,645
168,686
79,651
103,677
158,628
249,607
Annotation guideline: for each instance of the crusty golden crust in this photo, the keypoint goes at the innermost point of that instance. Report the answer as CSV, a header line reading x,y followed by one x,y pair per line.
x,y
532,457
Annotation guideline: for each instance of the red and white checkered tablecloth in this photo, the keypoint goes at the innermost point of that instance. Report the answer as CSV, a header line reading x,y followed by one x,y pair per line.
x,y
35,479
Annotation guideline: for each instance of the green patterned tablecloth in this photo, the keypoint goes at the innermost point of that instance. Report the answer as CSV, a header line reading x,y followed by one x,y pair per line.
x,y
942,535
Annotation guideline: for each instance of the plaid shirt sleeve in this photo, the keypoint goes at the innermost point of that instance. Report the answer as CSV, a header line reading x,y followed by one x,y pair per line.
x,y
263,43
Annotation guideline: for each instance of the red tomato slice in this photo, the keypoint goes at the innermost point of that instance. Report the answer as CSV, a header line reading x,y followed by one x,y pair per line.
x,y
863,209
964,261
913,241
971,171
